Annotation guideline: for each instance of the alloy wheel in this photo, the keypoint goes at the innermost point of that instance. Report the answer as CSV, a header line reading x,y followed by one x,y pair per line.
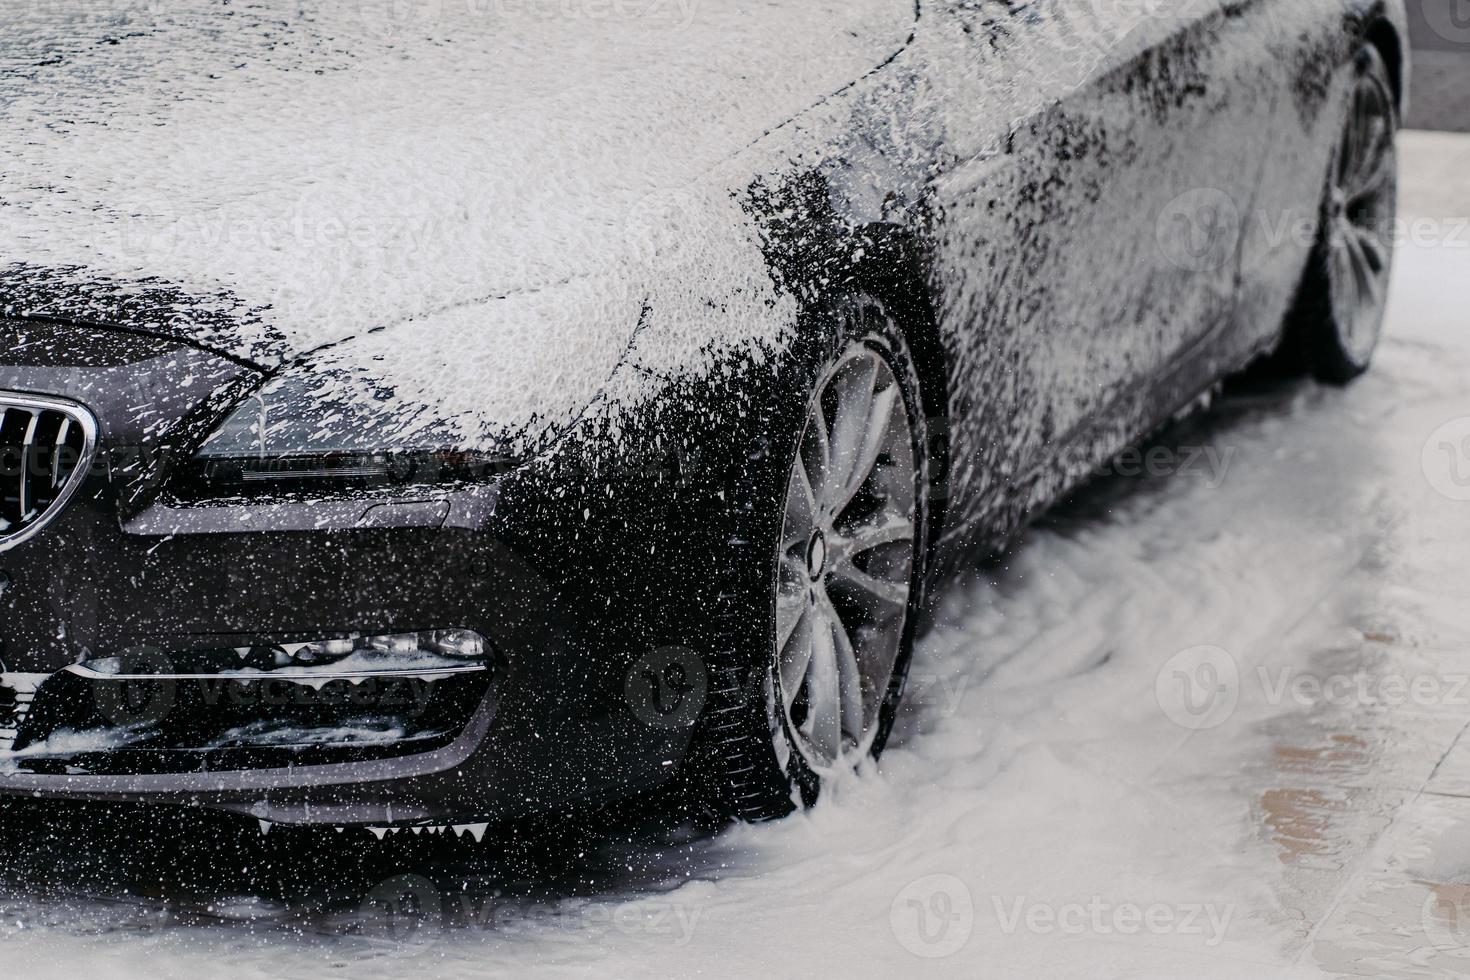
x,y
845,563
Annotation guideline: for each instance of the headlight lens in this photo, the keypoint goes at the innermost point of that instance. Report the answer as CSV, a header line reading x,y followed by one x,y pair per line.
x,y
295,436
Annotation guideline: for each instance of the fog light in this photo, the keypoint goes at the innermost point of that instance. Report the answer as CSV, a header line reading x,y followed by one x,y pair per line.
x,y
398,644
324,650
462,644
459,644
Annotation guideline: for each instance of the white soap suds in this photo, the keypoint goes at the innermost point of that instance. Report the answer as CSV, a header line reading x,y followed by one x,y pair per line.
x,y
492,180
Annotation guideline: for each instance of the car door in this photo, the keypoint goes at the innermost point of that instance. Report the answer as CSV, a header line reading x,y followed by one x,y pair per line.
x,y
1204,89
1080,164
1038,267
1182,101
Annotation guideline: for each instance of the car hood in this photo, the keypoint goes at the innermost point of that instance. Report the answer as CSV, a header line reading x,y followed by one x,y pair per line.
x,y
269,179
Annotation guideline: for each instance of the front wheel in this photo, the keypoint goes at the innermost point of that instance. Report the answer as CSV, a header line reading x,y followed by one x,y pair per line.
x,y
835,576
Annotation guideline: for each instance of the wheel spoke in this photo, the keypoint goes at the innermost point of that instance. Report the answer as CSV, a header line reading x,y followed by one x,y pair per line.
x,y
850,428
791,591
816,453
801,509
1363,139
824,721
1374,173
1369,128
795,656
1372,250
1356,291
885,421
869,536
1370,289
791,582
1344,281
849,677
890,593
1348,154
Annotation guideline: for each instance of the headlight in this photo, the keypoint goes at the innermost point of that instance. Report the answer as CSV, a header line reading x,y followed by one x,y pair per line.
x,y
316,434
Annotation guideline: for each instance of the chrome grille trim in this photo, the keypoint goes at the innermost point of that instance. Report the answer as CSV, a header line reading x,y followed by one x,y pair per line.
x,y
39,435
21,689
28,453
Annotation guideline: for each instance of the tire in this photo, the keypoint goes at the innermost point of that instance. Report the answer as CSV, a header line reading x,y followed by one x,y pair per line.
x,y
763,758
1335,326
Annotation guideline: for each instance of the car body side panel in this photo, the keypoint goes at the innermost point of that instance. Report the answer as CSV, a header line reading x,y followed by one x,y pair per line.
x,y
1197,84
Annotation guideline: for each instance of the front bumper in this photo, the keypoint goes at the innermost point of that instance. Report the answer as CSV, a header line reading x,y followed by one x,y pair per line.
x,y
539,734
544,564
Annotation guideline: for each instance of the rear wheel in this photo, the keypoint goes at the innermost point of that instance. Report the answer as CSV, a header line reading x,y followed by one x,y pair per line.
x,y
834,572
1345,289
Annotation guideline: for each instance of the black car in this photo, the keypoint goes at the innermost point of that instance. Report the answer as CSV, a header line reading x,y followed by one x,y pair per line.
x,y
434,416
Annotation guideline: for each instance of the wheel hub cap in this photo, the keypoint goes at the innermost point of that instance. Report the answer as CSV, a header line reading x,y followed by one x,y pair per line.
x,y
816,556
